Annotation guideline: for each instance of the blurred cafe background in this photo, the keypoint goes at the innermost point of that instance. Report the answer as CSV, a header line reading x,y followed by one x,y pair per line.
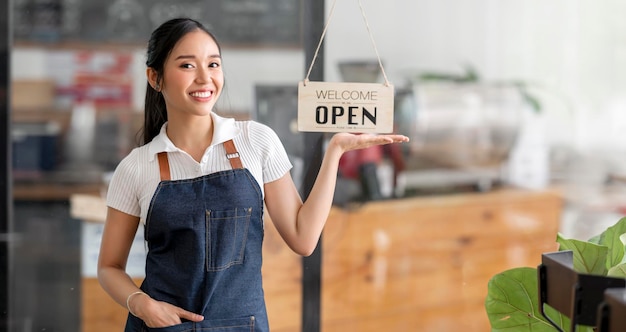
x,y
516,111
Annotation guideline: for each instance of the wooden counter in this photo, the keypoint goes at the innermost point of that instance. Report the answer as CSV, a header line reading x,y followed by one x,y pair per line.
x,y
412,264
423,264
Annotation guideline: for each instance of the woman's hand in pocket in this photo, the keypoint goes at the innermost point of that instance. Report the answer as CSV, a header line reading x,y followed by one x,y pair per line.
x,y
162,314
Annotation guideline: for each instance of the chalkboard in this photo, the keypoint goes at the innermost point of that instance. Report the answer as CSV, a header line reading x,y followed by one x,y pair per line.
x,y
245,23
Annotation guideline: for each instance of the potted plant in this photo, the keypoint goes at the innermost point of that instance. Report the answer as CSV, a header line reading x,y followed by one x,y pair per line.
x,y
512,302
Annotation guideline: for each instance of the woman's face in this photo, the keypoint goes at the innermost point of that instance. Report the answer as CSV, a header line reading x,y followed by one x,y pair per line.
x,y
192,75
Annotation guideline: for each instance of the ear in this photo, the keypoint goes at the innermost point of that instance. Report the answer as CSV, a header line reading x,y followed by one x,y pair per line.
x,y
152,76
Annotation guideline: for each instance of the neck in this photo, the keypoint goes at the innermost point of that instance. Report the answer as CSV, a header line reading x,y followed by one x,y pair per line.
x,y
192,135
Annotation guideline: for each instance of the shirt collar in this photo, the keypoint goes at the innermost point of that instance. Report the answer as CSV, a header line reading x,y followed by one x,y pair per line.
x,y
223,130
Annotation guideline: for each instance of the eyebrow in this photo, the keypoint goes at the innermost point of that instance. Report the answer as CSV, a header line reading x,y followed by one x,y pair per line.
x,y
217,56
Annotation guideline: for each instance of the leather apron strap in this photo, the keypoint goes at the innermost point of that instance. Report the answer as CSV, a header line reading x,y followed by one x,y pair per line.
x,y
231,153
164,166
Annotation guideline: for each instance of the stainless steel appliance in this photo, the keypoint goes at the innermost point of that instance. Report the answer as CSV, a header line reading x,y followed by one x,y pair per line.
x,y
461,133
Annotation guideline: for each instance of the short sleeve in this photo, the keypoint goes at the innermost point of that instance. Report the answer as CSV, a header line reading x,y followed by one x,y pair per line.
x,y
275,162
122,193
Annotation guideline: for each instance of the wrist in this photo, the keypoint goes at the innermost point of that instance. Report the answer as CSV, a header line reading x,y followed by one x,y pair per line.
x,y
334,149
131,299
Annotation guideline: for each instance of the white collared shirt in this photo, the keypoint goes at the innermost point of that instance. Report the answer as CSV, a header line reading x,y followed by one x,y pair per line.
x,y
136,177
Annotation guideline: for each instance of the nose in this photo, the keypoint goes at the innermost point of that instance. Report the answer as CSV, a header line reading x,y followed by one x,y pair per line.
x,y
203,75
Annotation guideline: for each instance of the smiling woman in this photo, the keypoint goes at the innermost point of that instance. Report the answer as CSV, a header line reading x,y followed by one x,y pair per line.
x,y
200,184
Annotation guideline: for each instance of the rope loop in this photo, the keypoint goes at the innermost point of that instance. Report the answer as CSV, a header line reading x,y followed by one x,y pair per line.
x,y
367,26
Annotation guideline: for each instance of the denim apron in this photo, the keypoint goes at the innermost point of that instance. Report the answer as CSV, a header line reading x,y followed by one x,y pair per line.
x,y
205,240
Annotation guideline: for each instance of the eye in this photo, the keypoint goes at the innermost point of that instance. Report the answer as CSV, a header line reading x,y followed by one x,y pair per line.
x,y
214,64
186,66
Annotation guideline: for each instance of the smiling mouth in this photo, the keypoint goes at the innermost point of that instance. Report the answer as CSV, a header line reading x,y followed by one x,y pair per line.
x,y
204,94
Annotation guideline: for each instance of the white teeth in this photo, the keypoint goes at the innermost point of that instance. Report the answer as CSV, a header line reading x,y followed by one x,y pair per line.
x,y
205,94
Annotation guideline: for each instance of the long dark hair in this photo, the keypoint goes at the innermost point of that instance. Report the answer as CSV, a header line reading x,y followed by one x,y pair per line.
x,y
160,45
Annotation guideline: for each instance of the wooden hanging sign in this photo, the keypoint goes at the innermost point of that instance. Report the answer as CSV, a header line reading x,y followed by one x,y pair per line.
x,y
345,107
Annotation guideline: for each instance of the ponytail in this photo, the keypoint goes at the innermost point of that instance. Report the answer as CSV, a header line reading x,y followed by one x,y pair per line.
x,y
155,114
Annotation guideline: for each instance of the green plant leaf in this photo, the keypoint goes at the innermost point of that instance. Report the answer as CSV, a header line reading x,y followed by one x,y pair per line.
x,y
512,303
531,100
612,238
596,239
618,271
589,258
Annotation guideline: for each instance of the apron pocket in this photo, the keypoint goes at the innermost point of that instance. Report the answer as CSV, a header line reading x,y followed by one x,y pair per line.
x,y
226,235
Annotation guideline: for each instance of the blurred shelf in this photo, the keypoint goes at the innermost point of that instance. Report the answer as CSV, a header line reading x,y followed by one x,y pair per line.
x,y
56,185
34,115
52,191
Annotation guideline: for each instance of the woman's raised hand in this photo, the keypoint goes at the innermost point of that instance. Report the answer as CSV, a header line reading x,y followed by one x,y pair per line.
x,y
347,141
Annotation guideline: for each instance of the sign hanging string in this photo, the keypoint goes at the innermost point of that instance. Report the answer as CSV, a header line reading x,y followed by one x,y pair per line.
x,y
367,26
